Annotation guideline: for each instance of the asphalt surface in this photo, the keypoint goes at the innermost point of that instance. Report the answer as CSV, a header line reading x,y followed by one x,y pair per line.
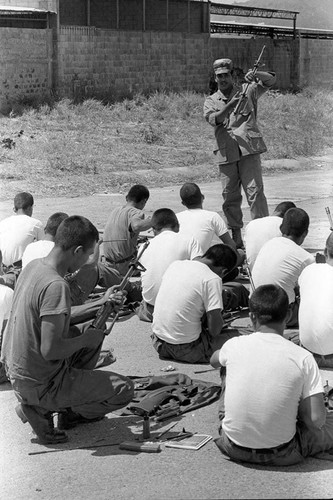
x,y
105,472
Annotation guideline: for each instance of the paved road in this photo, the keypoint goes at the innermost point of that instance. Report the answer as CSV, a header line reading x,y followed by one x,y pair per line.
x,y
310,190
109,473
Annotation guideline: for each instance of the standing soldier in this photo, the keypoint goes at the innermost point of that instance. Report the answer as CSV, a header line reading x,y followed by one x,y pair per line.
x,y
238,142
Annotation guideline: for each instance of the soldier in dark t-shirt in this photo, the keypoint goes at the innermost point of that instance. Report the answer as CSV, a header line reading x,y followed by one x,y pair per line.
x,y
50,365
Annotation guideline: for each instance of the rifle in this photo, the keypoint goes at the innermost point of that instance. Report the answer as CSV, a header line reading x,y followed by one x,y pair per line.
x,y
249,274
330,220
243,94
108,307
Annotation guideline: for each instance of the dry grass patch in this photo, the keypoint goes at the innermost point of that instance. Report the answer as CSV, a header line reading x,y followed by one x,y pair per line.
x,y
76,149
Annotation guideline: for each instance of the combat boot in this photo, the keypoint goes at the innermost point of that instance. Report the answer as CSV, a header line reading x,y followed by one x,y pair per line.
x,y
41,422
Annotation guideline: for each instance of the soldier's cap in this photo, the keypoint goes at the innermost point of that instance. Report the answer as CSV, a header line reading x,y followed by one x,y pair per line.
x,y
222,66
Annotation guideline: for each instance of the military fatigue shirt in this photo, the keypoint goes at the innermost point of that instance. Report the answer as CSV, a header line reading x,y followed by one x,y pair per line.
x,y
238,135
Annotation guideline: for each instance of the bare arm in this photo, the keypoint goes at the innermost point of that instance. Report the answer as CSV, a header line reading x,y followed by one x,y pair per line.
x,y
215,322
138,225
87,311
312,411
54,346
214,360
227,240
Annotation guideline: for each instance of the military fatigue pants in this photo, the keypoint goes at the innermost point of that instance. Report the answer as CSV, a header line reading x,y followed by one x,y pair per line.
x,y
244,173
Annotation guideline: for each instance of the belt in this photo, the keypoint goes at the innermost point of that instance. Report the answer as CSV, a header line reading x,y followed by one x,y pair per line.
x,y
324,356
120,261
260,451
18,263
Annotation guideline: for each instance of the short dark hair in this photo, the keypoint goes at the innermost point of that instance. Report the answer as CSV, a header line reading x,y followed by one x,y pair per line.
x,y
329,246
222,255
137,193
23,200
295,222
190,194
269,303
282,207
76,231
164,217
53,222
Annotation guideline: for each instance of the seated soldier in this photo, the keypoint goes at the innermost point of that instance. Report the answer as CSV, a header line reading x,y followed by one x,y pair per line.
x,y
206,226
167,246
16,232
50,369
82,282
281,260
6,299
41,248
123,227
259,231
272,408
315,311
188,323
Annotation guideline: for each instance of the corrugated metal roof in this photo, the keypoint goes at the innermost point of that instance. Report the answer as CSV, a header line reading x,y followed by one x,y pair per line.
x,y
22,10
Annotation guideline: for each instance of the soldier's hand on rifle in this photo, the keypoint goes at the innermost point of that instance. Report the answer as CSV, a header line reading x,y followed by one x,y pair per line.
x,y
250,76
115,295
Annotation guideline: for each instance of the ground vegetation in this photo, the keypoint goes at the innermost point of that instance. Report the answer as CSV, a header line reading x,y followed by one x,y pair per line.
x,y
63,148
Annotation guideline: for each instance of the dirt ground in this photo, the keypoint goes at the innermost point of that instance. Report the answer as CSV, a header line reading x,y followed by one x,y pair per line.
x,y
108,472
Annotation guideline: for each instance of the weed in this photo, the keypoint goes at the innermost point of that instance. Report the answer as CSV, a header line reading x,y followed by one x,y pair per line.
x,y
155,139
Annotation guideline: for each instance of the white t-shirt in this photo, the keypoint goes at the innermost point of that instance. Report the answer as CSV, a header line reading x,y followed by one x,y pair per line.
x,y
267,376
188,289
165,248
316,308
6,299
36,250
203,225
257,233
280,262
16,232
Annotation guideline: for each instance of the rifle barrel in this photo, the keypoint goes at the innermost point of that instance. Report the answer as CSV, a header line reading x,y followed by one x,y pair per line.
x,y
255,68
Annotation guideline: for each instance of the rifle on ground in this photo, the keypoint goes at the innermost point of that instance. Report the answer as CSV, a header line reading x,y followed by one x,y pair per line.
x,y
106,309
244,93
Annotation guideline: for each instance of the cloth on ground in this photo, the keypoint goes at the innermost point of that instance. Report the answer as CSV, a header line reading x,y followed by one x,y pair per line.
x,y
152,393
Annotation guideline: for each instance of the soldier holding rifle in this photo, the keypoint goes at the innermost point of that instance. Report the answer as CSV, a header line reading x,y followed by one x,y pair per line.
x,y
51,365
233,114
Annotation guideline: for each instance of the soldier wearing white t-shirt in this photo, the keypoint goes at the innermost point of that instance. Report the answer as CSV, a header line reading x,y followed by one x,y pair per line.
x,y
6,299
42,248
206,226
272,410
18,230
259,231
167,246
189,292
316,312
281,260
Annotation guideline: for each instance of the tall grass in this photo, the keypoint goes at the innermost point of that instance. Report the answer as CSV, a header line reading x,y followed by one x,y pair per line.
x,y
65,148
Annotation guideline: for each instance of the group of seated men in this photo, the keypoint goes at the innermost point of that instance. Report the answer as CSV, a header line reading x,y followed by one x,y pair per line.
x,y
190,277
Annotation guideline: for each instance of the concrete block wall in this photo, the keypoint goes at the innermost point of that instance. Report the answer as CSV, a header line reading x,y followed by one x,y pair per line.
x,y
25,64
316,66
111,62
